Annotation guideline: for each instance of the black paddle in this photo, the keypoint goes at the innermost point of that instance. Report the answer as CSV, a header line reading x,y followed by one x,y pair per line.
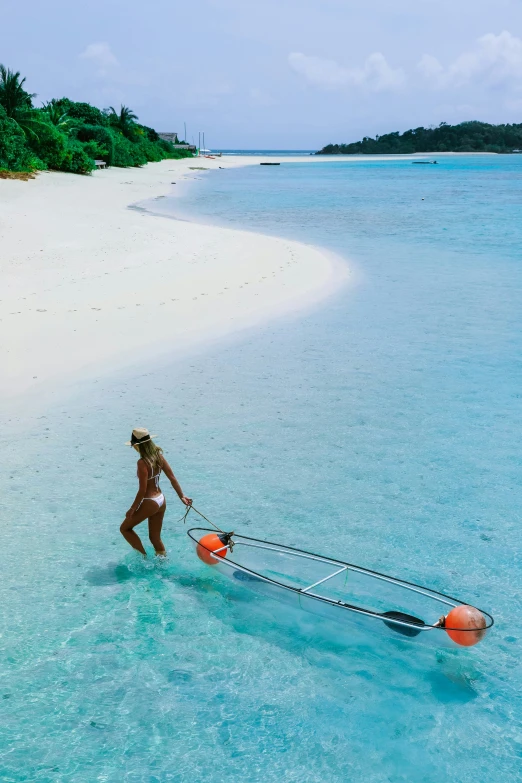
x,y
404,618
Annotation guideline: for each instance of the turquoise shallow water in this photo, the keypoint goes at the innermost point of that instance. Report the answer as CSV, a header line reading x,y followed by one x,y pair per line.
x,y
383,427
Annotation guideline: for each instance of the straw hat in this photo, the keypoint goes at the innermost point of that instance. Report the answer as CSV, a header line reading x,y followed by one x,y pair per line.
x,y
140,435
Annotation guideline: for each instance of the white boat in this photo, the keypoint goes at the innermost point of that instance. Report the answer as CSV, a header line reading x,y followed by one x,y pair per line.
x,y
334,589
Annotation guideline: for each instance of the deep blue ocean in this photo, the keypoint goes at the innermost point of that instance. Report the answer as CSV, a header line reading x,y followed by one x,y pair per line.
x,y
381,427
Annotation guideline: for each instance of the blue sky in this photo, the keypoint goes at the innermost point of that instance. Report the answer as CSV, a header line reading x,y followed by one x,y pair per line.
x,y
279,74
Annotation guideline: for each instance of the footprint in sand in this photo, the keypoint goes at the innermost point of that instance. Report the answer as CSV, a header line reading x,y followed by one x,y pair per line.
x,y
41,311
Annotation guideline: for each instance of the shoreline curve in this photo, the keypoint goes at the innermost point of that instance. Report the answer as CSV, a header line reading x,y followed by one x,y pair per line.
x,y
93,287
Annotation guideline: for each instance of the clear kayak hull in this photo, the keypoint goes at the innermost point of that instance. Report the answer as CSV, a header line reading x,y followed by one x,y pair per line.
x,y
356,597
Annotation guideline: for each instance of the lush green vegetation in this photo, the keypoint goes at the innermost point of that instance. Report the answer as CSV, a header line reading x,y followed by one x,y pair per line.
x,y
466,137
69,136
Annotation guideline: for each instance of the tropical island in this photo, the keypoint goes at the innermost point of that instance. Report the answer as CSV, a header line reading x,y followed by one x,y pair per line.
x,y
66,135
466,137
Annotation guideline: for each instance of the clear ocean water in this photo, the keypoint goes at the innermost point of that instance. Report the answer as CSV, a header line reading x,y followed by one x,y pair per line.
x,y
383,427
278,153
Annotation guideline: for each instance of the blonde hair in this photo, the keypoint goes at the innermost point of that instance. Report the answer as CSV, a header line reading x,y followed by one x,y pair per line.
x,y
152,454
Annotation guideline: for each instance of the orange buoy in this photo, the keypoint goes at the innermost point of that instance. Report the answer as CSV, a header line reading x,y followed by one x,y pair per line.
x,y
210,543
465,625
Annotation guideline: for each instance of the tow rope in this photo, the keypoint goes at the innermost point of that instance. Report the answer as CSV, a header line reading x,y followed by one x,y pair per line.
x,y
225,538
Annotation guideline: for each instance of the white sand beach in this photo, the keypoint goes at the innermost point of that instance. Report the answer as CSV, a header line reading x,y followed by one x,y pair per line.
x,y
89,285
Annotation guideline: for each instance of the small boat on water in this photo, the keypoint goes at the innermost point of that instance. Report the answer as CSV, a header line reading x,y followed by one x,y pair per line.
x,y
425,162
267,163
341,591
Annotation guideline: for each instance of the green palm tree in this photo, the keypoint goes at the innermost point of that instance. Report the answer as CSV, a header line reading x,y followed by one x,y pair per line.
x,y
13,97
124,120
18,103
57,116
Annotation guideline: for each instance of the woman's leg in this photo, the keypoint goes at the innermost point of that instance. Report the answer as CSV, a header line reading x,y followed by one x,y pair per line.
x,y
126,527
155,523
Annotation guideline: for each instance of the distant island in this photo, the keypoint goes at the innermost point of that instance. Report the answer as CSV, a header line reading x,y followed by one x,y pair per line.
x,y
465,137
72,136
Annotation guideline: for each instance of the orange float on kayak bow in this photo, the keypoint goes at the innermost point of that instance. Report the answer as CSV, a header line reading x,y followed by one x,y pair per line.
x,y
465,625
211,543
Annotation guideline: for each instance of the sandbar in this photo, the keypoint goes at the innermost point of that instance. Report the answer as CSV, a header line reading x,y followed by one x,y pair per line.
x,y
90,285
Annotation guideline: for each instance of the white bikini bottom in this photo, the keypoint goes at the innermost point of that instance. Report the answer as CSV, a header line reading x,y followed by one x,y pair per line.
x,y
159,499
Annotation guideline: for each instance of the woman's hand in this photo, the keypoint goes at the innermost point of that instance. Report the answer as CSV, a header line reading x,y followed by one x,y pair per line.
x,y
186,501
129,513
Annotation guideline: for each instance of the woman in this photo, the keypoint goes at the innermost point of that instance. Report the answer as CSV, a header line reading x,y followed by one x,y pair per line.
x,y
149,502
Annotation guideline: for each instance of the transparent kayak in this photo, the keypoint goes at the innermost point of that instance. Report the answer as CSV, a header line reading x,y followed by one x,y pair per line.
x,y
333,589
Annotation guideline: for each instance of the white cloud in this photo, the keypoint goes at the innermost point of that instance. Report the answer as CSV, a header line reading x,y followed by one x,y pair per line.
x,y
208,94
375,75
317,71
496,60
101,55
260,97
430,67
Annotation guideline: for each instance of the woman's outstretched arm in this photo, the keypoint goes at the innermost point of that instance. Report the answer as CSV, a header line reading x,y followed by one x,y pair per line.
x,y
175,483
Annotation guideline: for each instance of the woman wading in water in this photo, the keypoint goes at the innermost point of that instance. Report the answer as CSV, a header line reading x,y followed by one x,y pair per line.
x,y
150,502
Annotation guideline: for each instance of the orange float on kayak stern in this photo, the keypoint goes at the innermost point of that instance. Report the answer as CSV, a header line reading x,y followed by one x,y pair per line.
x,y
465,625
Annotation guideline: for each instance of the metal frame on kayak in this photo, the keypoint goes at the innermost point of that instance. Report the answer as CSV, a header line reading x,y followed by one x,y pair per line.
x,y
400,622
